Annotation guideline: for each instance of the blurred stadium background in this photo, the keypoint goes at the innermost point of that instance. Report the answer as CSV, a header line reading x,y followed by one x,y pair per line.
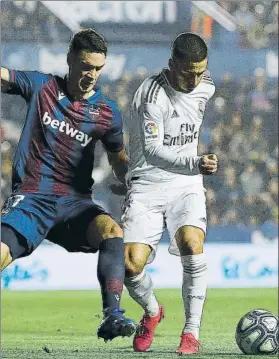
x,y
240,124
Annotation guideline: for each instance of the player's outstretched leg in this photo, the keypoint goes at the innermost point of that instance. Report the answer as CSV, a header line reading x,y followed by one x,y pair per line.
x,y
111,273
140,288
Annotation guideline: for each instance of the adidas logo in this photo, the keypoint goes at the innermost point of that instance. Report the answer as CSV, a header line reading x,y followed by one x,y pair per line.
x,y
175,114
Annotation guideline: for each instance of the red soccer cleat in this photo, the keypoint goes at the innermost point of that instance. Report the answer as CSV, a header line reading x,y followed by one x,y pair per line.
x,y
145,333
188,345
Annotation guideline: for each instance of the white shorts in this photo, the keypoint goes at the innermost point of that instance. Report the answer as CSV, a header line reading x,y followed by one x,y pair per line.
x,y
151,208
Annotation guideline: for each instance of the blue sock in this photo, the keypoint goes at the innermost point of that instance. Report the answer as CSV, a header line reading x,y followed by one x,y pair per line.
x,y
111,272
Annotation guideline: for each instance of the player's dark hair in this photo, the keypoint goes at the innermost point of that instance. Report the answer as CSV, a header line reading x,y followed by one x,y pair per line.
x,y
88,40
189,47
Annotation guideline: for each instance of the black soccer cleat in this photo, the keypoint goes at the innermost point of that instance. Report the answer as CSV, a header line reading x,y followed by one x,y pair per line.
x,y
114,324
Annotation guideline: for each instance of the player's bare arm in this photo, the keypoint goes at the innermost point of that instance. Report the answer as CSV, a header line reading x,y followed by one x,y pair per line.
x,y
5,77
119,162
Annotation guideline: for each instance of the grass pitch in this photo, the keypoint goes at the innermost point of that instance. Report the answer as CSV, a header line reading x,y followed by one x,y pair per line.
x,y
63,324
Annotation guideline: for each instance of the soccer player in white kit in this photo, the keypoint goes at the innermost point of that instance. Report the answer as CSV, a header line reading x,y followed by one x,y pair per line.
x,y
165,186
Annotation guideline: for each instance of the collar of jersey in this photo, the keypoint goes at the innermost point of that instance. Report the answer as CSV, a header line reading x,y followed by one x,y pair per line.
x,y
95,96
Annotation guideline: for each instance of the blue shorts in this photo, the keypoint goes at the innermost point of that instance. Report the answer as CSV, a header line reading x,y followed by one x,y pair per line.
x,y
63,220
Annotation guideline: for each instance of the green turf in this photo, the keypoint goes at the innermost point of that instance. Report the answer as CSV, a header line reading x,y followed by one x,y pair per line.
x,y
62,325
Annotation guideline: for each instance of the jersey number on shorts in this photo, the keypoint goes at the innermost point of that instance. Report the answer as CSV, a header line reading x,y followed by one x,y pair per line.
x,y
11,202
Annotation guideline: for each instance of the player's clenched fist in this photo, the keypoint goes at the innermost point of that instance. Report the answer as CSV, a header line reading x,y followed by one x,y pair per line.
x,y
208,164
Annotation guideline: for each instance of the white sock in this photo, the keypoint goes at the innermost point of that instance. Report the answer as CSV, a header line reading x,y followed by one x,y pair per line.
x,y
194,291
140,289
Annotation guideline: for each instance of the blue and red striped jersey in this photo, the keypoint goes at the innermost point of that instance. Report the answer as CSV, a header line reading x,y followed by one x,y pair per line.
x,y
55,153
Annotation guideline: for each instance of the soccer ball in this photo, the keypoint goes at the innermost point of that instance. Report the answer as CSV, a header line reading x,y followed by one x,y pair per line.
x,y
257,333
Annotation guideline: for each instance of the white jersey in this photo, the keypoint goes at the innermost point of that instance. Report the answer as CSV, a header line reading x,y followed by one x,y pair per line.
x,y
164,131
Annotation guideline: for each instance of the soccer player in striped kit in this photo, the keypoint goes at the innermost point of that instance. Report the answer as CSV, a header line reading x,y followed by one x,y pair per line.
x,y
52,169
165,186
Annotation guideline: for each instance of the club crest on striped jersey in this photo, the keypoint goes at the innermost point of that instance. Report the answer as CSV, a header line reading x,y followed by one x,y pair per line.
x,y
94,110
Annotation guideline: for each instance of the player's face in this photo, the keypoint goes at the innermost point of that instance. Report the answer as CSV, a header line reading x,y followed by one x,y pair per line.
x,y
185,76
85,69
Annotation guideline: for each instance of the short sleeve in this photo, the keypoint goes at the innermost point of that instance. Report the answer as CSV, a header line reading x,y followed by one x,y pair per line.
x,y
113,138
25,83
